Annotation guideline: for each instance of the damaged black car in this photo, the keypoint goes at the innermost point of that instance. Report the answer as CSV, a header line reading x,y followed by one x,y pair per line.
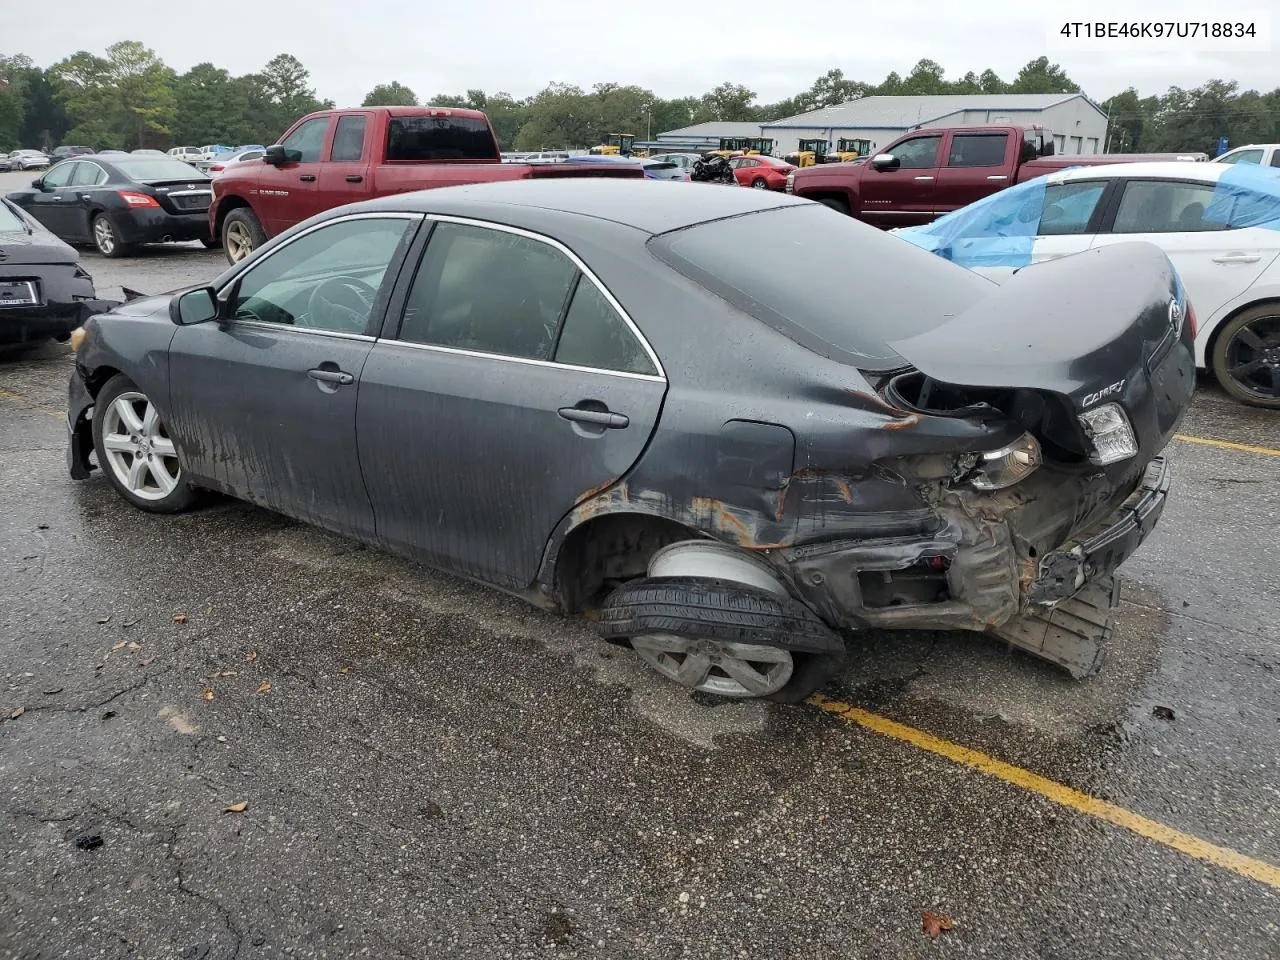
x,y
582,394
44,292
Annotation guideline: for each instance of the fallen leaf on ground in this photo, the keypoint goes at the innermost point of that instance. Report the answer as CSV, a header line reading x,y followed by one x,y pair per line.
x,y
208,693
17,713
222,739
146,662
104,619
263,687
134,645
240,807
130,623
208,610
251,656
345,670
51,691
935,923
224,673
117,646
179,618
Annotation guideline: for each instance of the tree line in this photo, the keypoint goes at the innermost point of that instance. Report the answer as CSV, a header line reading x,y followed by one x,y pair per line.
x,y
129,98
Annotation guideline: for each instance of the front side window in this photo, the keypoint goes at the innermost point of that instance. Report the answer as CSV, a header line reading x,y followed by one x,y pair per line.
x,y
488,290
325,280
595,335
977,149
348,139
918,153
60,175
305,143
1242,156
1164,206
1068,207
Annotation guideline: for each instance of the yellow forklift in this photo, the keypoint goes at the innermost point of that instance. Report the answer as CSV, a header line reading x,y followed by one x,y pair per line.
x,y
744,146
848,149
808,153
619,145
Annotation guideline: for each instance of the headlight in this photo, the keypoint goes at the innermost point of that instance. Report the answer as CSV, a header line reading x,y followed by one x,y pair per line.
x,y
1109,430
1005,467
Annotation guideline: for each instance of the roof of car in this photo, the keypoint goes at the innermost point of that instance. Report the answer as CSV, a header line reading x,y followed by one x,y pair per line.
x,y
639,203
1172,169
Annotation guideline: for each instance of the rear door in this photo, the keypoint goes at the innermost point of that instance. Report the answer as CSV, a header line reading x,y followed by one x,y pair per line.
x,y
1216,264
903,195
86,180
344,174
977,165
287,192
494,406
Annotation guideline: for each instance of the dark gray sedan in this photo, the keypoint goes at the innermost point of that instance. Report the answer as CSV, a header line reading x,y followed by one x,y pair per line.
x,y
580,392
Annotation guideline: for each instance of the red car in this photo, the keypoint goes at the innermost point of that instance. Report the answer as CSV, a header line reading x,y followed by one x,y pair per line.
x,y
763,173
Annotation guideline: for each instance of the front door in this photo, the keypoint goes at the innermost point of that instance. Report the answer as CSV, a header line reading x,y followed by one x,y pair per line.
x,y
263,405
903,195
287,191
54,203
513,389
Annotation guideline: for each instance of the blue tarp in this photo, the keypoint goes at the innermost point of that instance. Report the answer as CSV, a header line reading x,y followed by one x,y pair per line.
x,y
1000,230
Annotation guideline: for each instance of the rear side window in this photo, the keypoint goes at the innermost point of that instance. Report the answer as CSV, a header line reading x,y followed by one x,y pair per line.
x,y
1068,207
348,139
488,290
977,149
594,335
1275,158
439,138
88,175
1164,206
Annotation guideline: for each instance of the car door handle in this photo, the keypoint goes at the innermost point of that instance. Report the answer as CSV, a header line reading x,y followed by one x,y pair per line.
x,y
308,178
331,376
1238,258
355,179
924,178
57,199
598,418
998,177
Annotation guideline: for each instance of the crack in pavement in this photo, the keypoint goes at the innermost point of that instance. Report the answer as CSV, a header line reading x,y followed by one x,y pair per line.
x,y
85,708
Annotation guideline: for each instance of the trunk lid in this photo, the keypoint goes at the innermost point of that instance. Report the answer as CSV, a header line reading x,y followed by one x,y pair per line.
x,y
1104,326
183,196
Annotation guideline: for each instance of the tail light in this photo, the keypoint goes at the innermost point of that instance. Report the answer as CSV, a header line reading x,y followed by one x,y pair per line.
x,y
138,199
1191,318
216,167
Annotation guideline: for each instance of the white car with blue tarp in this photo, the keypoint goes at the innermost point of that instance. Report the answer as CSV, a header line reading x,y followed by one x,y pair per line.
x,y
1218,223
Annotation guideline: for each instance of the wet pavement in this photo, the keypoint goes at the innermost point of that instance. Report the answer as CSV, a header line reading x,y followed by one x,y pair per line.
x,y
430,769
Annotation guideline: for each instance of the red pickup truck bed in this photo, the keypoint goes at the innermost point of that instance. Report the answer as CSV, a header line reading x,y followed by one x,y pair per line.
x,y
336,157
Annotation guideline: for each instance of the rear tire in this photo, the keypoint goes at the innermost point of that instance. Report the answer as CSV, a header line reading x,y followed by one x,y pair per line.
x,y
105,239
241,234
760,183
1246,357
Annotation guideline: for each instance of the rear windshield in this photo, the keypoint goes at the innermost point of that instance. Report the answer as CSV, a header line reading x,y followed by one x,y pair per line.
x,y
149,169
838,287
9,222
440,138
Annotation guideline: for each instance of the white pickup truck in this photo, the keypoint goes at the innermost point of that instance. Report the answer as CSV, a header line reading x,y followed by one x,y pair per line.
x,y
1264,154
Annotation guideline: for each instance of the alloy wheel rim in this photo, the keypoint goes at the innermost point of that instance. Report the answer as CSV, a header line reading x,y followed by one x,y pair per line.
x,y
103,236
138,449
1253,357
717,667
238,242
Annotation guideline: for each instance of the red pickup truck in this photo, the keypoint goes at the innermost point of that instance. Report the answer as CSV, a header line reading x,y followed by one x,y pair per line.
x,y
927,173
334,157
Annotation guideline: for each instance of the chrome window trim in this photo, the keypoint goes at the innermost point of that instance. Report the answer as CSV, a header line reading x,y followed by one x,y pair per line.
x,y
240,275
528,361
586,272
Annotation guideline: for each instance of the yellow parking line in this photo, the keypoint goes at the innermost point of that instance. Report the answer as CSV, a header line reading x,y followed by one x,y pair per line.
x,y
1227,444
1059,793
27,401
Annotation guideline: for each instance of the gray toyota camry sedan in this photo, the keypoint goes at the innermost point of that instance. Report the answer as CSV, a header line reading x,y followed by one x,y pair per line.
x,y
582,393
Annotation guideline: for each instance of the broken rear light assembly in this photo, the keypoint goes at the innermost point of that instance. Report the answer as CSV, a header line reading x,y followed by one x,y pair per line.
x,y
1110,433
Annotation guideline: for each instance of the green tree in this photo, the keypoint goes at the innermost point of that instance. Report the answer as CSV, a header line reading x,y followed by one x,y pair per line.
x,y
125,99
1041,76
729,101
13,100
1126,119
559,115
393,94
925,79
210,107
284,94
990,82
44,120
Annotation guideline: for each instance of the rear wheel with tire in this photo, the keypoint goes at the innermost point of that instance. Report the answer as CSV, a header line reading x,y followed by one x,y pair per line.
x,y
760,183
1246,356
106,239
241,234
135,451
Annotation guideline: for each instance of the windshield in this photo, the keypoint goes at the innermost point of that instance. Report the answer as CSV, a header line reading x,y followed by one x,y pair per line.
x,y
149,169
9,221
838,287
440,138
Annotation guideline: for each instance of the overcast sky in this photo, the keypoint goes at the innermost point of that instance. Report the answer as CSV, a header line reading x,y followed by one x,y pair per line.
x,y
775,47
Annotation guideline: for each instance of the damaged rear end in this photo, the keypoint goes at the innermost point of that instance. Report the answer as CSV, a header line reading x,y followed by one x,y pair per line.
x,y
1083,369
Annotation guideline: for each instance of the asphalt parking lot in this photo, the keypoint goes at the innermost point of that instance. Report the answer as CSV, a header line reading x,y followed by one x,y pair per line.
x,y
419,767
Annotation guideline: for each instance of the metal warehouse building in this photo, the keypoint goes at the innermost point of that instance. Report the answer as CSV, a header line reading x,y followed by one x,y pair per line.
x,y
702,136
1078,124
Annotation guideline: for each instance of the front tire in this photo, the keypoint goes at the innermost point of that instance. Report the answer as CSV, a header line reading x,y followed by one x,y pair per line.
x,y
241,234
1246,357
135,451
105,238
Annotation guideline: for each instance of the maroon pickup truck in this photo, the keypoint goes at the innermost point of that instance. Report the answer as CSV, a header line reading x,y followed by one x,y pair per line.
x,y
334,157
927,173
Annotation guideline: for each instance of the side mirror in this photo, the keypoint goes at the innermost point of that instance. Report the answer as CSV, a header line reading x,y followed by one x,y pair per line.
x,y
276,155
885,161
38,183
194,306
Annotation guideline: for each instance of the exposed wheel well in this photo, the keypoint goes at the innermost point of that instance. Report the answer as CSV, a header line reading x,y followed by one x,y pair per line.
x,y
96,380
606,551
224,208
1213,337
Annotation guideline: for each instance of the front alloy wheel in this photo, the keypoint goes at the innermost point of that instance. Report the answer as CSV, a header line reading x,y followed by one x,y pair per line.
x,y
135,451
1246,357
